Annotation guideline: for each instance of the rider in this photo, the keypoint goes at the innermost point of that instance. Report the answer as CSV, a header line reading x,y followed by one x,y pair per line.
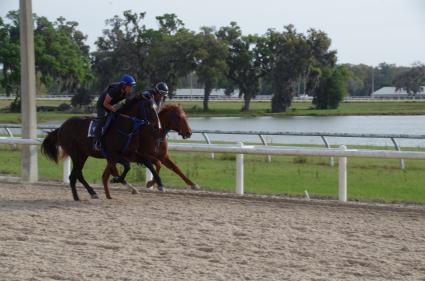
x,y
158,93
112,95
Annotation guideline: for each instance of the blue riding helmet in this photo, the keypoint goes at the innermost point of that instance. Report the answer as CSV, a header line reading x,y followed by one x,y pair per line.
x,y
128,80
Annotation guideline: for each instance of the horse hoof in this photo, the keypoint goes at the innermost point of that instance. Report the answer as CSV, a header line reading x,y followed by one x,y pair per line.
x,y
195,187
161,189
134,191
94,196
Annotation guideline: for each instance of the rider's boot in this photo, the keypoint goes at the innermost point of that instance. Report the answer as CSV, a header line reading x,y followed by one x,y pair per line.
x,y
97,144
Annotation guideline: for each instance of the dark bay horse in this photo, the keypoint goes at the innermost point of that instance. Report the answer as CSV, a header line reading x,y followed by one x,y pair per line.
x,y
121,141
172,118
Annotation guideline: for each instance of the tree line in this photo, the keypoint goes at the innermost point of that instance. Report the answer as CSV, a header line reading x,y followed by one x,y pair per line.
x,y
280,62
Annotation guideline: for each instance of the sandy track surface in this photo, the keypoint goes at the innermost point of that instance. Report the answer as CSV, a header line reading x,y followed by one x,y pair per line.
x,y
44,235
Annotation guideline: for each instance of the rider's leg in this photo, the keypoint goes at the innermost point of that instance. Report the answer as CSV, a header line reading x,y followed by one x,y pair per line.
x,y
101,115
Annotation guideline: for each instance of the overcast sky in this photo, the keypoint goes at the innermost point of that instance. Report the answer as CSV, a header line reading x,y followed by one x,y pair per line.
x,y
362,31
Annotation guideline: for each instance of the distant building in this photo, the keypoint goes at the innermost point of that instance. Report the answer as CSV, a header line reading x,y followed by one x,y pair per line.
x,y
390,92
200,92
217,94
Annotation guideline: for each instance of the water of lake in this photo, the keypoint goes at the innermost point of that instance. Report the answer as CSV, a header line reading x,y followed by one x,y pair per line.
x,y
331,124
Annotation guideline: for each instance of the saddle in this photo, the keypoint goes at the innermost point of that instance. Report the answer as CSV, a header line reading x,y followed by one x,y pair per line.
x,y
94,122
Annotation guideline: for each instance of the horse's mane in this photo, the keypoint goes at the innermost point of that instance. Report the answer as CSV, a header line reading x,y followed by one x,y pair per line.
x,y
167,107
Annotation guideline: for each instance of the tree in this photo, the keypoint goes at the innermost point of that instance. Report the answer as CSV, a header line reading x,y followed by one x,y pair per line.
x,y
321,58
9,54
246,61
82,98
171,55
62,58
412,80
360,81
332,88
122,49
211,64
291,56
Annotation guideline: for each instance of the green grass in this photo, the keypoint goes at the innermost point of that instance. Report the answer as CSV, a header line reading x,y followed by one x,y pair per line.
x,y
258,108
379,180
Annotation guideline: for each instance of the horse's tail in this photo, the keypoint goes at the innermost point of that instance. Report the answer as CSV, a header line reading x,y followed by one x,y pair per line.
x,y
50,146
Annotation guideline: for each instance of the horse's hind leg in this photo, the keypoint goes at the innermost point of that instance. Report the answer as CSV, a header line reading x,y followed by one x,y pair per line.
x,y
72,183
78,165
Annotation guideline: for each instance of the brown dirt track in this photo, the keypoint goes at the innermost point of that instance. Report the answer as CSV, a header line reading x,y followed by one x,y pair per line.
x,y
44,235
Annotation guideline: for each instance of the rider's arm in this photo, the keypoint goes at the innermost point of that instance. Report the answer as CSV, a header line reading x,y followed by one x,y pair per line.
x,y
107,103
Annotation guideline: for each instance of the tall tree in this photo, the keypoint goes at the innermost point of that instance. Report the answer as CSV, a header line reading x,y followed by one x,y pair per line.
x,y
245,61
9,54
291,56
62,58
211,63
171,56
122,49
321,59
60,54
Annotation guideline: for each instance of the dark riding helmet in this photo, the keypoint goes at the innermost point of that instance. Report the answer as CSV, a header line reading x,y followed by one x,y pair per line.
x,y
162,88
128,80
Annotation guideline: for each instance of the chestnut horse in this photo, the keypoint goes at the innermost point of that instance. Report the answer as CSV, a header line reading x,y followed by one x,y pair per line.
x,y
120,141
172,118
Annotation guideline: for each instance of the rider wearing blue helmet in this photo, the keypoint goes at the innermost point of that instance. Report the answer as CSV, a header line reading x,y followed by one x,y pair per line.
x,y
112,95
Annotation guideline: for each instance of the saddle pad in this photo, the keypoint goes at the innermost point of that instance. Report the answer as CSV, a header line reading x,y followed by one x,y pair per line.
x,y
92,128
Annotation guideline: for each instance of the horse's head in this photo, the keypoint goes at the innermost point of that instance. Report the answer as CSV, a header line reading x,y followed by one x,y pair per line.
x,y
174,118
143,109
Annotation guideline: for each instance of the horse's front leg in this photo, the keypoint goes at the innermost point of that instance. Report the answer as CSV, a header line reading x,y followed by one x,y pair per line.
x,y
157,164
105,177
172,166
147,161
117,179
120,178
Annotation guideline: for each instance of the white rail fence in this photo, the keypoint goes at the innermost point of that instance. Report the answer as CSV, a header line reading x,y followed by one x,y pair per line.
x,y
265,98
240,149
261,134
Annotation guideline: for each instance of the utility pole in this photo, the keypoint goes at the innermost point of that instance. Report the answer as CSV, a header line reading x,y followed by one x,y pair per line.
x,y
28,106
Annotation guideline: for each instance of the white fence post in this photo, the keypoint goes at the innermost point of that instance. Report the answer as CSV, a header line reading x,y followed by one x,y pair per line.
x,y
148,176
239,173
66,169
342,183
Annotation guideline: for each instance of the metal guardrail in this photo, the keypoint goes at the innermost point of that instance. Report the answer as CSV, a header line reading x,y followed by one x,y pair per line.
x,y
342,153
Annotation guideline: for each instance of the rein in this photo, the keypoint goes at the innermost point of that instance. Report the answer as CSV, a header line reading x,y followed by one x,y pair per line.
x,y
136,123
